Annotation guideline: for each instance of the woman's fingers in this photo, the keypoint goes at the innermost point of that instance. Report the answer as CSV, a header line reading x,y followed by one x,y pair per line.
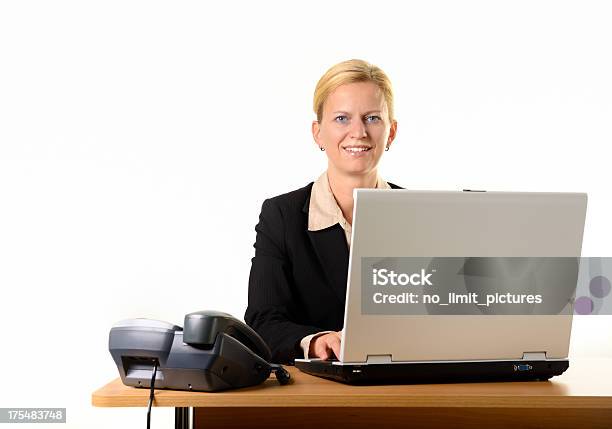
x,y
335,344
321,347
327,346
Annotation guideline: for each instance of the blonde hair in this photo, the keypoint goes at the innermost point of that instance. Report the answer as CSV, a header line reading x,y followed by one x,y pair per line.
x,y
349,72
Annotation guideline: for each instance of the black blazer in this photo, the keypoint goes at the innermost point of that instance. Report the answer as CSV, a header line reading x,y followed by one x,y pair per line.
x,y
297,284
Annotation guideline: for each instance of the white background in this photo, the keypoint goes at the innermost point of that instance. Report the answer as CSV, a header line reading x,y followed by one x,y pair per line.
x,y
139,139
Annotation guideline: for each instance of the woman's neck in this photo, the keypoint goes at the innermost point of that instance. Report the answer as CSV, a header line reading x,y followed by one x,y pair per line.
x,y
342,187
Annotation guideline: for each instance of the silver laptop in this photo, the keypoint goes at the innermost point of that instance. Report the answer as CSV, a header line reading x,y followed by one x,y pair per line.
x,y
405,348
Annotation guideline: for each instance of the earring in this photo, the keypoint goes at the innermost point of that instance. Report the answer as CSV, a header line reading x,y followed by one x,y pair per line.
x,y
387,149
322,148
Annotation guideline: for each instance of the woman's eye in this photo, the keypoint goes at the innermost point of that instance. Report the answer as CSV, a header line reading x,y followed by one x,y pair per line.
x,y
372,118
341,118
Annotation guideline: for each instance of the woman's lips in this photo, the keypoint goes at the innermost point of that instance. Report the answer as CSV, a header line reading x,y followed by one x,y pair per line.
x,y
357,151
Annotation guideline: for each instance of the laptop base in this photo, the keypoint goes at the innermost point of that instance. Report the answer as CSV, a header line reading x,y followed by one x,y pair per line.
x,y
435,372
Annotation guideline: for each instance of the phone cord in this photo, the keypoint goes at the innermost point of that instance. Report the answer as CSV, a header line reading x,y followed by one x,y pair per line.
x,y
282,375
151,395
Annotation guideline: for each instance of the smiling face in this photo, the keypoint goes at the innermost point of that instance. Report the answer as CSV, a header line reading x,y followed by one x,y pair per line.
x,y
354,128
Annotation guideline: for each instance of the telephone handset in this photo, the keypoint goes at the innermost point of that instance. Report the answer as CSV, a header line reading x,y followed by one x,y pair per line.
x,y
214,351
202,327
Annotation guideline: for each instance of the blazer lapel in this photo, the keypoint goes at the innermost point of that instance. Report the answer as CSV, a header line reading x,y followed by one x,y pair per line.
x,y
332,251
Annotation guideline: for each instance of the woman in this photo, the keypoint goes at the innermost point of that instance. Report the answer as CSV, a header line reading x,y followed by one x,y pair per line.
x,y
297,285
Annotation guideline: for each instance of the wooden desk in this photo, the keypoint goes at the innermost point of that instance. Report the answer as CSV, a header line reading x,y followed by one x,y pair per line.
x,y
580,398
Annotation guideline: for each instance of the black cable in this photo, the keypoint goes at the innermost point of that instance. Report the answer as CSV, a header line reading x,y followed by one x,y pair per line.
x,y
151,395
282,375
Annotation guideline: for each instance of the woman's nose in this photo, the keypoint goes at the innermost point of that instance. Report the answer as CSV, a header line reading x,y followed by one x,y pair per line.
x,y
358,130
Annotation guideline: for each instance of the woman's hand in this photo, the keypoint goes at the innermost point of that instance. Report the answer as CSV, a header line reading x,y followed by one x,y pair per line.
x,y
326,346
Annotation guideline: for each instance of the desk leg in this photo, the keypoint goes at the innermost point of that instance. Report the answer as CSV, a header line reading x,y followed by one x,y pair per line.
x,y
182,417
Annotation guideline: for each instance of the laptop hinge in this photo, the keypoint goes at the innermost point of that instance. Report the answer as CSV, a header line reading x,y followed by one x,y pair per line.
x,y
378,359
534,355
